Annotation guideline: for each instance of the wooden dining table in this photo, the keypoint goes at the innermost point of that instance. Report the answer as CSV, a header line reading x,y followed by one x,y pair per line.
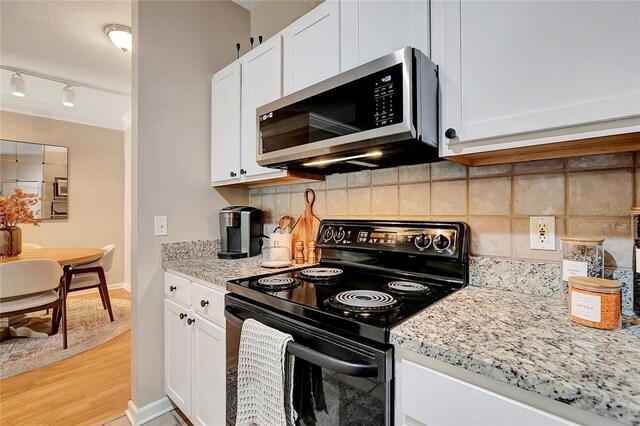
x,y
65,256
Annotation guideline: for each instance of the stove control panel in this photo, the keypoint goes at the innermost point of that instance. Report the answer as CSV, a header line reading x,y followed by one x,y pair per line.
x,y
432,238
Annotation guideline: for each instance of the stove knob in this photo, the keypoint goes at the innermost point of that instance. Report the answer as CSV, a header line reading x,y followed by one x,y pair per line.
x,y
339,235
422,241
328,234
441,242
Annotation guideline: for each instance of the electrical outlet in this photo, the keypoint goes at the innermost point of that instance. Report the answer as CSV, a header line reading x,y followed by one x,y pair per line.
x,y
542,234
160,223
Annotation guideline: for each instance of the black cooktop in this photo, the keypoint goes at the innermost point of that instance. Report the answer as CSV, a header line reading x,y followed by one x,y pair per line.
x,y
327,301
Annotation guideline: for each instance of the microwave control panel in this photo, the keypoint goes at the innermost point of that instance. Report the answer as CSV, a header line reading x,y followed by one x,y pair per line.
x,y
387,96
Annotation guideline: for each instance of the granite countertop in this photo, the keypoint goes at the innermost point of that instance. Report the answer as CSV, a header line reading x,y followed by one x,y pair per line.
x,y
218,271
528,341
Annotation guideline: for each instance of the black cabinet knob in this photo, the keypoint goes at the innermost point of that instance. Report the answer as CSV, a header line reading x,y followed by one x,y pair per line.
x,y
450,133
233,174
191,321
182,316
243,172
204,303
172,288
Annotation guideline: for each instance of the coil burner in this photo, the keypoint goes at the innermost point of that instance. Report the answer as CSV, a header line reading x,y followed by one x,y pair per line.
x,y
321,274
276,283
362,302
409,288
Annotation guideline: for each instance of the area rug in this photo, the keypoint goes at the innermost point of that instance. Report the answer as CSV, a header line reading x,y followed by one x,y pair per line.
x,y
88,326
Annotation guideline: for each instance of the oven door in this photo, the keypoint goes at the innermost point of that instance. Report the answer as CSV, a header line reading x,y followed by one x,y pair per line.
x,y
354,380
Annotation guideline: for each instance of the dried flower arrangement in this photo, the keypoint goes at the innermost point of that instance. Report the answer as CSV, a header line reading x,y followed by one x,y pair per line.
x,y
16,209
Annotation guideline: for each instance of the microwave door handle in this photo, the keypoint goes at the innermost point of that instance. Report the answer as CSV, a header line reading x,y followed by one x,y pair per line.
x,y
349,368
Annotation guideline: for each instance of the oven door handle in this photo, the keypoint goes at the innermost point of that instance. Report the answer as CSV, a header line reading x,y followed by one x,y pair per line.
x,y
349,368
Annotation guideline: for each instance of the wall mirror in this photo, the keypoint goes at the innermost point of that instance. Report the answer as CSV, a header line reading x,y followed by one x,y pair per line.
x,y
40,169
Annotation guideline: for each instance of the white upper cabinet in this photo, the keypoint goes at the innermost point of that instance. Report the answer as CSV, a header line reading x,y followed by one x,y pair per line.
x,y
312,47
374,28
522,73
261,84
225,124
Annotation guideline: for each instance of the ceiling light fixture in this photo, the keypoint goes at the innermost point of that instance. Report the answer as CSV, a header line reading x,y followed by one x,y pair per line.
x,y
337,160
68,96
18,87
120,36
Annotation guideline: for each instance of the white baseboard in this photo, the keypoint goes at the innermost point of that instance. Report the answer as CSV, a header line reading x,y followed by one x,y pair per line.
x,y
139,416
115,286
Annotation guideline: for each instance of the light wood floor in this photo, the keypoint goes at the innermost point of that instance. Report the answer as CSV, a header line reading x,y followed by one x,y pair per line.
x,y
90,388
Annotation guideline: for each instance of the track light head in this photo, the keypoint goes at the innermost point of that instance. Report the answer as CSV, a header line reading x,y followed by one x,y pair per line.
x,y
18,87
68,96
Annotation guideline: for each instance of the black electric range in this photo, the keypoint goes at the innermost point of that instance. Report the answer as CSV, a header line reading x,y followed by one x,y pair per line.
x,y
373,275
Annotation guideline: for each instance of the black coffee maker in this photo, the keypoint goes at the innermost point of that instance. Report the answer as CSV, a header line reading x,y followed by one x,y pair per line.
x,y
240,231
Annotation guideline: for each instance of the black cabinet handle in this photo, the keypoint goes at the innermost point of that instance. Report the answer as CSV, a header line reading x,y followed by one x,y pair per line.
x,y
243,172
182,316
204,303
191,321
450,133
172,288
233,174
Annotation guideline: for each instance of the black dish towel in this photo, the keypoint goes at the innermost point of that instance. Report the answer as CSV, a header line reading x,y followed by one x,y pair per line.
x,y
308,392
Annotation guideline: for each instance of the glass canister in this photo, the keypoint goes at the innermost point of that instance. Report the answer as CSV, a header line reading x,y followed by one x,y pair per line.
x,y
582,257
595,302
635,214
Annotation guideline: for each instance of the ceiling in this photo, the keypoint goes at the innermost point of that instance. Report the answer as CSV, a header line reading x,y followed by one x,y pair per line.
x,y
65,40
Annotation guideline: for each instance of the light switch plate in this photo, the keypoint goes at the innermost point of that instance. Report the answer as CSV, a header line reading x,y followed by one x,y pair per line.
x,y
542,232
160,224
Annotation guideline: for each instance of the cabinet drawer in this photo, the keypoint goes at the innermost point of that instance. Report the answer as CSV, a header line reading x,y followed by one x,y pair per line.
x,y
433,398
177,288
213,301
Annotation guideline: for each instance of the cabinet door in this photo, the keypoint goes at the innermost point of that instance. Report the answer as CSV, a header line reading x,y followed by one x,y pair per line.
x,y
433,398
312,47
525,73
177,356
385,26
225,125
261,84
209,374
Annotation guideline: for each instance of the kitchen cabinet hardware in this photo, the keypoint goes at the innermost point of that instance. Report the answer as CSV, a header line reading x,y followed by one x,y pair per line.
x,y
191,320
450,133
233,174
183,315
260,39
172,288
204,303
243,172
238,49
251,42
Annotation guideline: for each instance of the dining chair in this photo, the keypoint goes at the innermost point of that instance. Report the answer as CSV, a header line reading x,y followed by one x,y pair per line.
x,y
30,286
30,246
83,276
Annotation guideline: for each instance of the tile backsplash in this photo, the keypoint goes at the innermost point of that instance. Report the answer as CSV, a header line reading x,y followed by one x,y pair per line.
x,y
589,196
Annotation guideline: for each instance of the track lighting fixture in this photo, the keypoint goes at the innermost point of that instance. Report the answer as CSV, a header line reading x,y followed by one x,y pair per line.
x,y
68,96
18,88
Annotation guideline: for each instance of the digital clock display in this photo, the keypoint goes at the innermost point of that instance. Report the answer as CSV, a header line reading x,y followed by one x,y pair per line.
x,y
386,79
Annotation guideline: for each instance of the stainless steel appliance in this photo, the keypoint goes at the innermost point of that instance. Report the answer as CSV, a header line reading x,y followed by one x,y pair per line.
x,y
380,114
373,275
240,231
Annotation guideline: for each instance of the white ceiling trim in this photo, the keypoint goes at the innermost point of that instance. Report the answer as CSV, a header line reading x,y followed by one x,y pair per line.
x,y
248,4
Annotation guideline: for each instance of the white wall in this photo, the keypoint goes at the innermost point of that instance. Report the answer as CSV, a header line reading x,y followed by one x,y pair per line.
x,y
178,46
271,16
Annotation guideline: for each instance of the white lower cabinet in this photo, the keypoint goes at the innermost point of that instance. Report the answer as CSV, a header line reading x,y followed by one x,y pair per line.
x,y
195,355
430,397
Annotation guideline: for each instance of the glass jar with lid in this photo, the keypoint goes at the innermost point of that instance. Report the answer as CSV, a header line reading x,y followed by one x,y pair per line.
x,y
582,257
595,302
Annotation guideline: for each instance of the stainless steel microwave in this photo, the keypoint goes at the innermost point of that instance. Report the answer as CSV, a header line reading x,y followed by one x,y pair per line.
x,y
380,114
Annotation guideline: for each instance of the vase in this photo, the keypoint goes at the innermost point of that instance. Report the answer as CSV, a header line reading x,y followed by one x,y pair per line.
x,y
10,241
